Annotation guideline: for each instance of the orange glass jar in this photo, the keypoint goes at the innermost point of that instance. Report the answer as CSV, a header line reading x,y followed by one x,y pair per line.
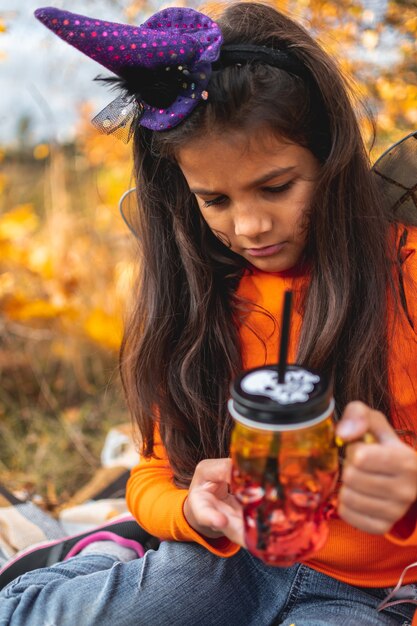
x,y
285,461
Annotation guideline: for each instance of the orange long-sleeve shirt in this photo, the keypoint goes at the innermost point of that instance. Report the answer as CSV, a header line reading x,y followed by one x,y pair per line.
x,y
349,555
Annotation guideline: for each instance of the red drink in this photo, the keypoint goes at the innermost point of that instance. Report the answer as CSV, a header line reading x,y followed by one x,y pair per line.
x,y
285,461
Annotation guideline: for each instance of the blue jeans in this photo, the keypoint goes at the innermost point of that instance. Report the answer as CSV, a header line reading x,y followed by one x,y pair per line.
x,y
182,584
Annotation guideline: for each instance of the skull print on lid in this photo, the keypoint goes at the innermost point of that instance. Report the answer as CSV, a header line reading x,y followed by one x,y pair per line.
x,y
303,396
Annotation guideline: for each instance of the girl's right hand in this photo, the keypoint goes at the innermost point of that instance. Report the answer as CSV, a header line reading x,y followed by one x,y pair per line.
x,y
209,507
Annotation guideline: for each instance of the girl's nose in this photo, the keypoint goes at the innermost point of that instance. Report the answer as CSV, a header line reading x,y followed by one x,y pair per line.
x,y
251,222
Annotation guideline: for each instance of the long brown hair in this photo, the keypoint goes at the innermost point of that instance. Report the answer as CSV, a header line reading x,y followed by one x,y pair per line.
x,y
181,345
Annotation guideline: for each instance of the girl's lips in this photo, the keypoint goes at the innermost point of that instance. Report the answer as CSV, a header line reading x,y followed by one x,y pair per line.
x,y
267,250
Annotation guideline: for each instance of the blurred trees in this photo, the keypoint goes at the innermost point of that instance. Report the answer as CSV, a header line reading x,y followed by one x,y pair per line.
x,y
375,42
395,88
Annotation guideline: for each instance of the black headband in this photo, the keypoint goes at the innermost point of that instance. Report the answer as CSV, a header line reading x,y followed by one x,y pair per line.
x,y
231,54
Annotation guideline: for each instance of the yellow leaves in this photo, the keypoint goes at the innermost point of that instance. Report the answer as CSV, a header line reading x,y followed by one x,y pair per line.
x,y
62,270
3,27
124,274
384,87
399,99
411,23
39,260
105,329
329,10
41,151
20,309
7,283
411,115
57,274
18,223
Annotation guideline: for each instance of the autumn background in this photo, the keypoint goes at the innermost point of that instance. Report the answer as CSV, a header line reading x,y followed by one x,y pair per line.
x,y
66,257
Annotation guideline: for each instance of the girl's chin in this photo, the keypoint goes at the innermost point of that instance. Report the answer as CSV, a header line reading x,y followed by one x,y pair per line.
x,y
271,264
274,266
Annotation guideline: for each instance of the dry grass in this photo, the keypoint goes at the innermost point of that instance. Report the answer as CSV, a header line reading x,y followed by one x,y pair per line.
x,y
52,423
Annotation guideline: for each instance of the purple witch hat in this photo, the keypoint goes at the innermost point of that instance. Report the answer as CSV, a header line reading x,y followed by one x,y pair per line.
x,y
165,64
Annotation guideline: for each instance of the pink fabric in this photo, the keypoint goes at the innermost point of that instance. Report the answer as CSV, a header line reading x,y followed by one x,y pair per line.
x,y
105,535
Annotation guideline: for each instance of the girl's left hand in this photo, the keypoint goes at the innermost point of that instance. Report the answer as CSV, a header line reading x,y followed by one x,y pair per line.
x,y
379,480
210,508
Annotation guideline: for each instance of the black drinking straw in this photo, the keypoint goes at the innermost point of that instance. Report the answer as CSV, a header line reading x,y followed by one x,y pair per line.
x,y
285,335
271,476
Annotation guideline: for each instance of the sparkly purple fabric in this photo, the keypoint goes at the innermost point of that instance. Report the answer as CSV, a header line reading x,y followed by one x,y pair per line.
x,y
172,37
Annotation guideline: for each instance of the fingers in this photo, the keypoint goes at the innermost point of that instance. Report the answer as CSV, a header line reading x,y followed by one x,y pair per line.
x,y
366,521
358,419
212,470
375,483
232,523
373,510
379,480
209,514
376,459
214,518
209,508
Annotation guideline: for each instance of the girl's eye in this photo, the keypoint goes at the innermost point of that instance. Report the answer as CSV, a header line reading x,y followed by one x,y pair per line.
x,y
280,188
273,190
214,202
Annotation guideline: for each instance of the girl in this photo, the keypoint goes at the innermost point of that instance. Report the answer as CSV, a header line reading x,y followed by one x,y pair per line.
x,y
252,178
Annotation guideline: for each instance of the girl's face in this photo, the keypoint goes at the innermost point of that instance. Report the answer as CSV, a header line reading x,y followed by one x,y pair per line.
x,y
253,191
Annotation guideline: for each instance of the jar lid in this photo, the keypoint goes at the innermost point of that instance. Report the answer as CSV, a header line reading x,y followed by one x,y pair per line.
x,y
258,396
